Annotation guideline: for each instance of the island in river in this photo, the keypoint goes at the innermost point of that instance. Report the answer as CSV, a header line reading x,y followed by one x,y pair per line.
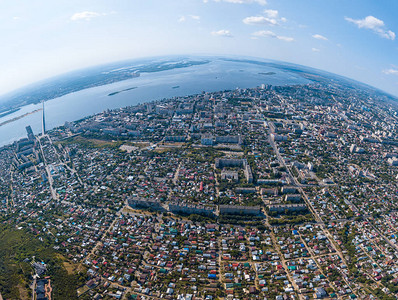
x,y
19,117
92,77
121,91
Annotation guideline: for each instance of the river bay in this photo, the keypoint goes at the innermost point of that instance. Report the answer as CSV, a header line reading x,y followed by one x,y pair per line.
x,y
216,75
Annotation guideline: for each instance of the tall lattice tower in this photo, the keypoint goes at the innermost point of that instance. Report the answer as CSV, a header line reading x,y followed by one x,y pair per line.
x,y
43,122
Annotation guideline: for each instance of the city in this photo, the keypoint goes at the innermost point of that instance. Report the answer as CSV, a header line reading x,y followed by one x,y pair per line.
x,y
274,192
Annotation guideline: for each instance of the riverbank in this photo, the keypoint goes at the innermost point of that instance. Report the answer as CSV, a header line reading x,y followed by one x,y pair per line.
x,y
20,117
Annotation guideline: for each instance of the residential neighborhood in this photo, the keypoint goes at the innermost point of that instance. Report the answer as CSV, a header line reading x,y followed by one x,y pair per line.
x,y
275,192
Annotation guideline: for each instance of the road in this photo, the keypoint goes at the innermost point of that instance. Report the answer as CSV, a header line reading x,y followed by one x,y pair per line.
x,y
72,170
306,199
280,254
315,259
10,203
383,236
33,287
216,180
277,248
219,260
318,219
54,194
175,178
117,215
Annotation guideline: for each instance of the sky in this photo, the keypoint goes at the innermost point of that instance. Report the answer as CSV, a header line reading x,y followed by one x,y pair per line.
x,y
353,38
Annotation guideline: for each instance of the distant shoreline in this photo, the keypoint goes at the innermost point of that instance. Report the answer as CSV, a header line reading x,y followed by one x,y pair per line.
x,y
20,117
89,78
9,112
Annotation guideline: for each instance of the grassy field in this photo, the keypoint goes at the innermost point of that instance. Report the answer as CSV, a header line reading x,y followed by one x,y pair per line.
x,y
17,247
90,142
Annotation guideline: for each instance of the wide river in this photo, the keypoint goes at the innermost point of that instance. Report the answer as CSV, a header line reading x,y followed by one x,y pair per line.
x,y
215,76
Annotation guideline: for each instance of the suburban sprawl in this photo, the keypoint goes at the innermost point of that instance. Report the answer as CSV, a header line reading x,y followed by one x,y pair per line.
x,y
274,192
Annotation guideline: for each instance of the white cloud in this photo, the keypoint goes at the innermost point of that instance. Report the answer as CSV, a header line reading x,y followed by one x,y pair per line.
x,y
261,2
184,18
315,50
271,13
271,17
263,33
369,22
319,37
374,24
258,20
222,32
285,38
85,15
268,33
193,17
390,35
391,71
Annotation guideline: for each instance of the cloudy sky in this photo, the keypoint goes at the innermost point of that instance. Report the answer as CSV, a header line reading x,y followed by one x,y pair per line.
x,y
354,38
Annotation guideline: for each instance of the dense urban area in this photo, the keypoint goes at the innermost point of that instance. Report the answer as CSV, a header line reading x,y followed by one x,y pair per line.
x,y
273,192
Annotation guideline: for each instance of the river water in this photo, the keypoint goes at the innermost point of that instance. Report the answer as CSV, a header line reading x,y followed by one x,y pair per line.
x,y
215,76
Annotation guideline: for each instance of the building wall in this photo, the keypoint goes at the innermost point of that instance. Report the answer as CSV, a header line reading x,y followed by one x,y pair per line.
x,y
289,207
191,209
142,203
235,209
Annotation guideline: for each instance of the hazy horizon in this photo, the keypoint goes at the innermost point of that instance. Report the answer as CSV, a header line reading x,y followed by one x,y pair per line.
x,y
139,59
46,39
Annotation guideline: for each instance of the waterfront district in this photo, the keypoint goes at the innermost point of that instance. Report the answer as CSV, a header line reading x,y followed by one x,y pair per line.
x,y
265,193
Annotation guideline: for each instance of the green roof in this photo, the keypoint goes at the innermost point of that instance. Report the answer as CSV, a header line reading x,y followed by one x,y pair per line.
x,y
237,284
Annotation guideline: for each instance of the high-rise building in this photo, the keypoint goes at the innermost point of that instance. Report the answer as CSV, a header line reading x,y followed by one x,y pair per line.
x,y
43,124
29,131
